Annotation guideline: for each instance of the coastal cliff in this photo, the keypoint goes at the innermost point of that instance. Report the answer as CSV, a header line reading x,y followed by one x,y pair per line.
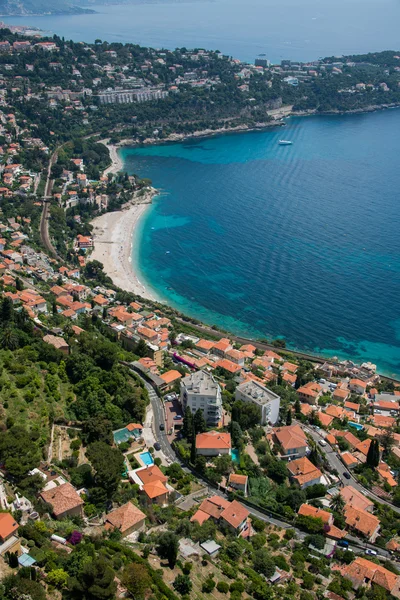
x,y
21,8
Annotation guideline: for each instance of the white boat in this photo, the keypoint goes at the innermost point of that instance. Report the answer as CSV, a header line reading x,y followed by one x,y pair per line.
x,y
285,143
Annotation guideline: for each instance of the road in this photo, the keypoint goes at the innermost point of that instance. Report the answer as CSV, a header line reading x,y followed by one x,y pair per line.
x,y
161,437
44,221
336,464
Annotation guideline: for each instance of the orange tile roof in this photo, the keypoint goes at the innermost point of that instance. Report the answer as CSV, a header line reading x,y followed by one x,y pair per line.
x,y
150,474
352,405
291,437
362,569
348,459
8,525
331,439
62,498
363,447
200,517
124,517
361,520
307,510
355,498
289,377
385,422
228,365
335,411
303,470
325,419
133,426
155,489
214,506
213,439
358,382
287,366
239,479
171,376
235,514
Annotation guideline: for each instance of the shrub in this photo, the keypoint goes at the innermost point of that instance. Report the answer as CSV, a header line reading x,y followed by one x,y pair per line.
x,y
208,586
223,587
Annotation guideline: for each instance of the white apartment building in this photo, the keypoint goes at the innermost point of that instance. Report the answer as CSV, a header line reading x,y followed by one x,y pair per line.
x,y
269,403
200,390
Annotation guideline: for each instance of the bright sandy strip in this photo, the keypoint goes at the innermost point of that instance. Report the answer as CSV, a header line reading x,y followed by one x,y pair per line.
x,y
116,161
114,236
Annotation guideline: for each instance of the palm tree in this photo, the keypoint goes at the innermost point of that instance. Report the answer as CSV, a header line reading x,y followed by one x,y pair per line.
x,y
9,339
337,503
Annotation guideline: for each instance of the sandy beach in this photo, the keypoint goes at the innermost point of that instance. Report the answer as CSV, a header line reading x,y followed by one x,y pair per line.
x,y
116,161
114,236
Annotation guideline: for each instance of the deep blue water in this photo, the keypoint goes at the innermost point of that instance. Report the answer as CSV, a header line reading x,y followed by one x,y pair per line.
x,y
299,30
266,240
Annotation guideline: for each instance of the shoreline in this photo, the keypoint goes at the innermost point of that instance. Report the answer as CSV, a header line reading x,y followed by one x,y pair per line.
x,y
111,230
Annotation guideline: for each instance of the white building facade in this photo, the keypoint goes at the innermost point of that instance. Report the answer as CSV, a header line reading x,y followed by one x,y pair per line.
x,y
269,403
200,391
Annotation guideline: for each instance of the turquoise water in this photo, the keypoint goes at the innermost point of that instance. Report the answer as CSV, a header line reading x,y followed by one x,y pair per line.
x,y
357,426
146,458
266,240
244,29
122,435
235,455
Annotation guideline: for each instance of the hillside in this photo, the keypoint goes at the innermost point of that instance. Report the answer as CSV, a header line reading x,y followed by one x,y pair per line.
x,y
40,7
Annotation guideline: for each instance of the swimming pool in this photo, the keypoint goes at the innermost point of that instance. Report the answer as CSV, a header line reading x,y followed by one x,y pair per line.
x,y
146,458
235,455
357,426
122,435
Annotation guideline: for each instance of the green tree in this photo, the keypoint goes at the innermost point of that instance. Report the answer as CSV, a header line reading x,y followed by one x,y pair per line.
x,y
167,547
95,581
187,428
57,577
108,464
137,580
9,339
337,503
193,451
289,416
182,584
199,422
263,562
373,456
297,408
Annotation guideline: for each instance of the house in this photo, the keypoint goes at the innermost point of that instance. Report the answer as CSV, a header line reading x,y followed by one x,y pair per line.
x,y
236,356
235,516
84,241
349,460
8,526
304,473
155,492
267,401
228,366
210,508
306,510
383,471
310,392
325,420
354,498
221,348
170,378
58,343
292,440
213,443
337,412
238,482
205,346
362,522
287,366
147,334
289,378
351,406
64,500
126,519
201,391
362,572
357,386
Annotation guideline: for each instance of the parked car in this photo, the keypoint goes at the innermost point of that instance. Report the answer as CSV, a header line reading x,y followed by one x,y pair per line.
x,y
162,427
346,475
178,417
371,552
157,446
343,544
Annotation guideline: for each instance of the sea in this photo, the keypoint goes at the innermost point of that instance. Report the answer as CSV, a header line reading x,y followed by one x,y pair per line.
x,y
264,240
281,29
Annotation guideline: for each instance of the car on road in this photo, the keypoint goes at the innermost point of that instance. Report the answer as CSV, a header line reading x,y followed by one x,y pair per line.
x,y
322,442
346,475
157,446
162,427
343,544
371,552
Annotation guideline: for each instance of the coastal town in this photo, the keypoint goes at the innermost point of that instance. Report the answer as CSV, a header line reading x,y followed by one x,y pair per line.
x,y
144,454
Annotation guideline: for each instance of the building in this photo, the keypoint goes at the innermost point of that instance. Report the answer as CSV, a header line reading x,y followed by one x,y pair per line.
x,y
201,391
363,572
267,401
292,440
232,514
213,443
58,343
304,473
126,519
235,517
306,510
362,522
170,378
8,526
357,386
238,482
310,392
64,500
354,498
